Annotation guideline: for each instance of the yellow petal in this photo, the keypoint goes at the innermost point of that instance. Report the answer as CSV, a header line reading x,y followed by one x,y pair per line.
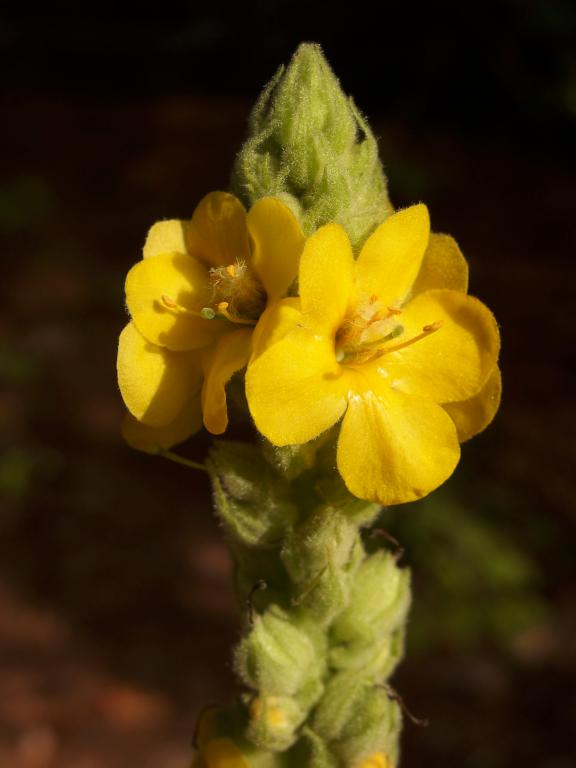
x,y
231,354
152,439
275,322
443,266
155,383
473,415
217,234
277,243
326,279
378,760
223,753
181,280
166,237
295,389
394,448
207,725
453,362
391,257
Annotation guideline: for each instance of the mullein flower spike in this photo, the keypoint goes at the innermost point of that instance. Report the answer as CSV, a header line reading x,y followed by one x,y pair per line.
x,y
366,365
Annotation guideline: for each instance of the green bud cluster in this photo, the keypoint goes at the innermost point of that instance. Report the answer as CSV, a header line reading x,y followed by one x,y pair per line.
x,y
324,617
326,632
310,146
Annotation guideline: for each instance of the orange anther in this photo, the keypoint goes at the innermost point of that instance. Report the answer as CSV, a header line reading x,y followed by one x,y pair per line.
x,y
168,302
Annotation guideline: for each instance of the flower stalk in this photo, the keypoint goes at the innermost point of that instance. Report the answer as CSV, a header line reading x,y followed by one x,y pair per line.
x,y
366,365
324,619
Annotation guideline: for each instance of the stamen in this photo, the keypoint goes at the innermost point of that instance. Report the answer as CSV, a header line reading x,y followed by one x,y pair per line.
x,y
426,331
169,303
222,308
353,350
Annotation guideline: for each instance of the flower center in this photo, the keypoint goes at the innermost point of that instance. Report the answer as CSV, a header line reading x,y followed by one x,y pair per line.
x,y
370,331
237,296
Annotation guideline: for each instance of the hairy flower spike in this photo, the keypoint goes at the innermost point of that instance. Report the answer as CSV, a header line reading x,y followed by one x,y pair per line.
x,y
309,146
364,354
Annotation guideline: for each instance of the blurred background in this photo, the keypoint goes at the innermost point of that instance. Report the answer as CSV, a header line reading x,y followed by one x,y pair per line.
x,y
116,608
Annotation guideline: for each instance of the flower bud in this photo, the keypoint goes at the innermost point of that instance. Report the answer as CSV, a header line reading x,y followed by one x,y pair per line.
x,y
251,498
378,604
310,146
279,656
312,751
320,556
274,721
373,728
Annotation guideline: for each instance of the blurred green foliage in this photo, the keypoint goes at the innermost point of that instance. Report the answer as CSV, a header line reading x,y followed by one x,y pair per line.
x,y
473,582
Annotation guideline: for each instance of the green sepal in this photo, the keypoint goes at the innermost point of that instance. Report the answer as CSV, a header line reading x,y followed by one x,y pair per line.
x,y
379,602
274,721
373,662
281,654
341,696
320,556
251,498
291,460
374,726
309,146
311,751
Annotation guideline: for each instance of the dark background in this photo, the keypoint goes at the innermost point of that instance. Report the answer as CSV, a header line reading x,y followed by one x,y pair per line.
x,y
116,613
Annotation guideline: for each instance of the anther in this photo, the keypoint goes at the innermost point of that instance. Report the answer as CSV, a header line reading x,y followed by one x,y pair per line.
x,y
168,302
231,270
207,313
432,327
393,311
222,308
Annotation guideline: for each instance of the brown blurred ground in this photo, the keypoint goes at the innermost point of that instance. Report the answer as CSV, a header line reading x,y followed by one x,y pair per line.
x,y
116,613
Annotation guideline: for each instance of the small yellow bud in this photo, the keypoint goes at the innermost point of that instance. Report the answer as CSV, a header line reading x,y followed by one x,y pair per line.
x,y
377,760
223,753
275,715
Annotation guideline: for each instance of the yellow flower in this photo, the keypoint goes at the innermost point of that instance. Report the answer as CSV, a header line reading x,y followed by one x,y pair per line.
x,y
391,343
194,300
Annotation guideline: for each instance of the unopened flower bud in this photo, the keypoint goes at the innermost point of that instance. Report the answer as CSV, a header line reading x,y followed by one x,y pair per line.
x,y
278,657
274,721
309,145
